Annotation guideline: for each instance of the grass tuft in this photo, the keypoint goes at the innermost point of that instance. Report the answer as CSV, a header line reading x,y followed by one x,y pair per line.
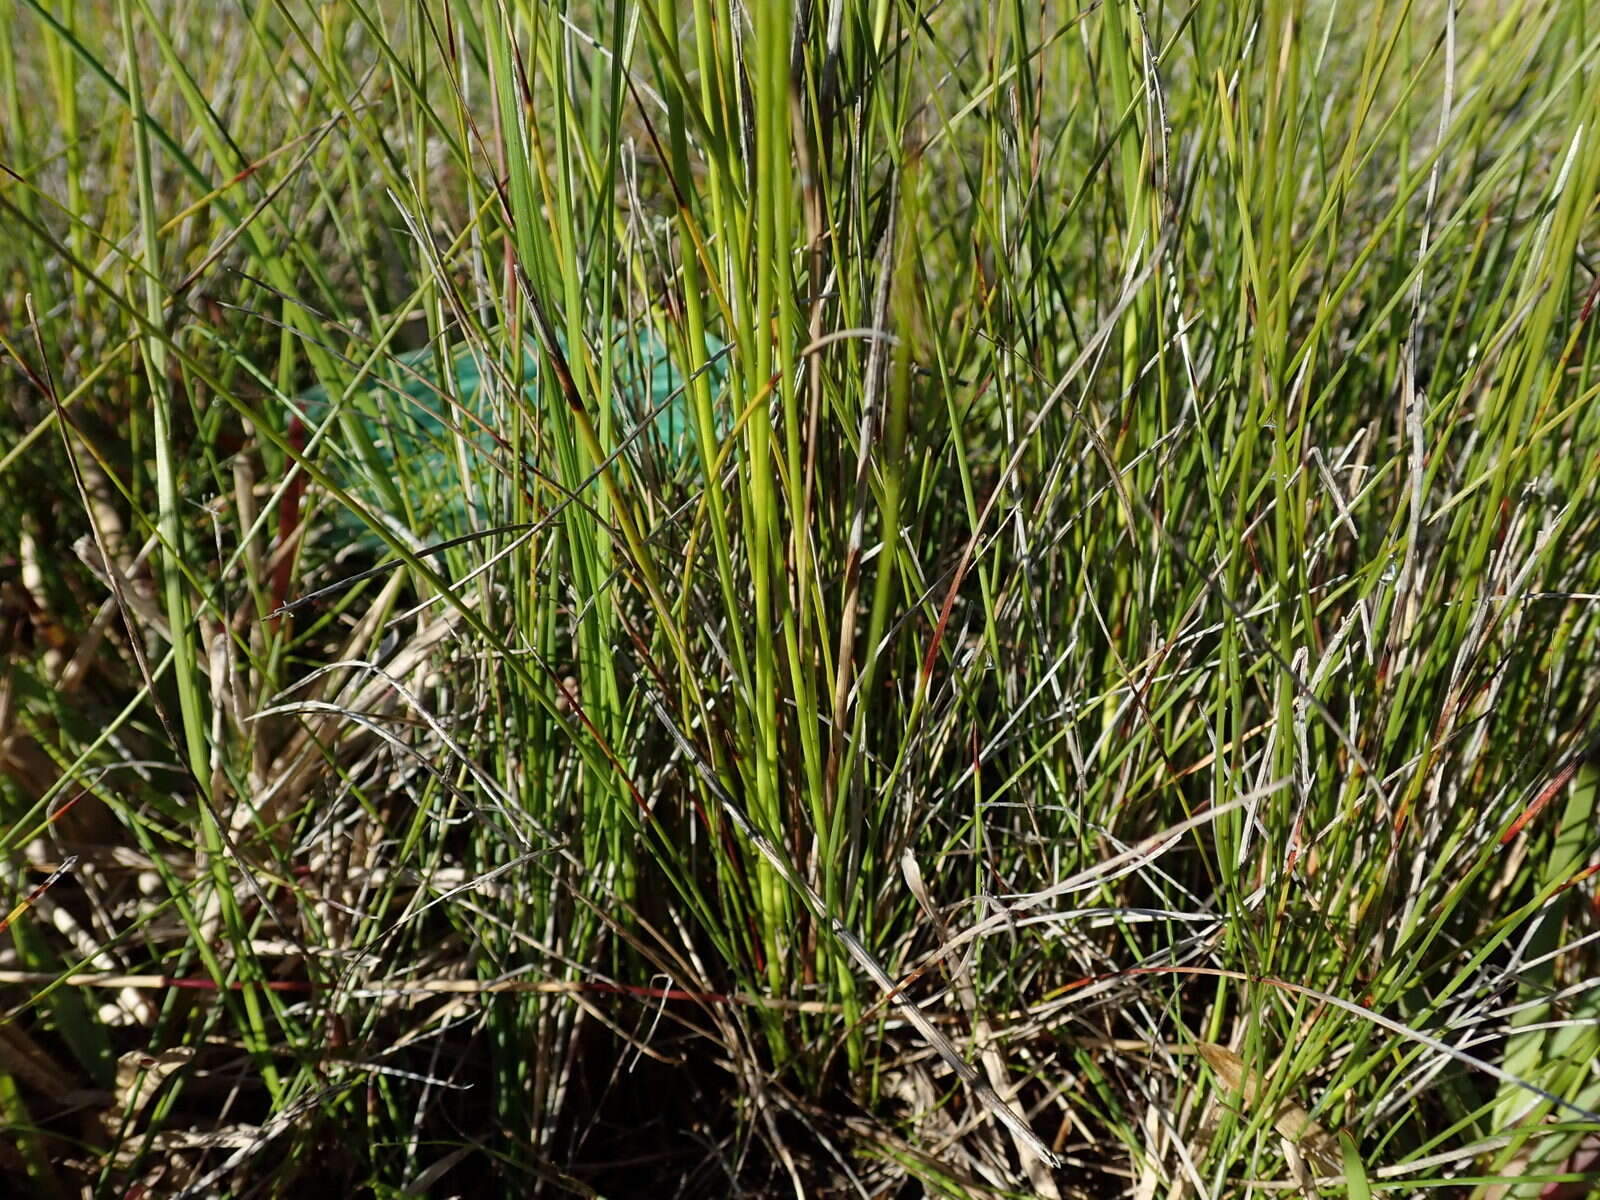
x,y
838,599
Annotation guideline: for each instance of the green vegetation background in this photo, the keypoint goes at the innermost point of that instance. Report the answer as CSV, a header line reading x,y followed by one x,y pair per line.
x,y
1072,677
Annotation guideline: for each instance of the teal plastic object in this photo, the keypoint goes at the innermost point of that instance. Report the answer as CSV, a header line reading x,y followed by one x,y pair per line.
x,y
438,448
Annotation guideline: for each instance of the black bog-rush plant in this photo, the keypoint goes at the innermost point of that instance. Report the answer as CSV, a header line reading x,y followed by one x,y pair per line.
x,y
825,598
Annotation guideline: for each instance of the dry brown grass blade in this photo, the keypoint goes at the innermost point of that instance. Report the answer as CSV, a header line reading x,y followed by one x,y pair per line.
x,y
1291,1121
139,1077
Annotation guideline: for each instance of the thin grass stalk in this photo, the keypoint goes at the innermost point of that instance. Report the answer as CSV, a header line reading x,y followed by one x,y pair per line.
x,y
175,556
